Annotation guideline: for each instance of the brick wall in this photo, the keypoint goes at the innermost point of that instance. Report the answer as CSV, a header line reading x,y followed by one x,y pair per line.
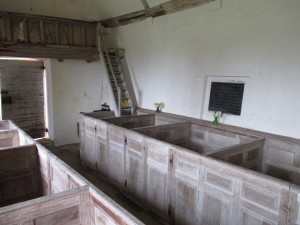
x,y
23,95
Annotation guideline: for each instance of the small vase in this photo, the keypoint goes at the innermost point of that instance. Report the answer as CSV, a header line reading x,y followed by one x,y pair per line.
x,y
158,110
216,122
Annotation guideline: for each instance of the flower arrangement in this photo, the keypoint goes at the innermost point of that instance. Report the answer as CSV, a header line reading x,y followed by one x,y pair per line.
x,y
159,106
217,115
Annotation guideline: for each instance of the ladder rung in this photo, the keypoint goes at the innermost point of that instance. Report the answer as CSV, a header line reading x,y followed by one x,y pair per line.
x,y
110,54
111,58
117,72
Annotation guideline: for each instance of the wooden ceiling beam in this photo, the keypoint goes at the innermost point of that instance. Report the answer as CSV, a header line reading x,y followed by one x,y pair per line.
x,y
160,10
146,6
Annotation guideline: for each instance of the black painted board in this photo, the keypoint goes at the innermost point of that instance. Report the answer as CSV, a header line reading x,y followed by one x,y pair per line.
x,y
226,97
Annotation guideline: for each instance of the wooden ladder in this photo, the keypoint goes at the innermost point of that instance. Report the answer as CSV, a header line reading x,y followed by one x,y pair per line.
x,y
120,82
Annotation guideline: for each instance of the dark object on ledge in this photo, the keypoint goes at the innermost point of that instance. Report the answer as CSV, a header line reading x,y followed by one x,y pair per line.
x,y
105,107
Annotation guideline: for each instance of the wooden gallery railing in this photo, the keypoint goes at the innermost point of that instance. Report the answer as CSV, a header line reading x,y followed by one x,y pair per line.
x,y
23,35
184,186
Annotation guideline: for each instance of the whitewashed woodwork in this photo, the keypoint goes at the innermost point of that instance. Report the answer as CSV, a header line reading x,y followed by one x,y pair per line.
x,y
280,156
23,35
180,185
161,119
100,114
177,134
101,148
44,170
47,191
248,155
294,206
9,138
24,139
252,198
131,122
19,175
205,139
116,156
105,211
59,178
52,210
89,137
282,160
135,165
184,186
4,125
158,176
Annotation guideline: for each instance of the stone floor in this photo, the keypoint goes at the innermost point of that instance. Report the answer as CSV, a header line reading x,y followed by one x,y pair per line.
x,y
70,155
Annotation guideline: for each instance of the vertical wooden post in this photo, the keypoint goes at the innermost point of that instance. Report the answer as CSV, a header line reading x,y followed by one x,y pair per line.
x,y
42,31
119,101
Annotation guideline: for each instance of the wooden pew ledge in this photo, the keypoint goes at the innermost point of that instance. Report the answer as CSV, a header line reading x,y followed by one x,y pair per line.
x,y
235,149
160,126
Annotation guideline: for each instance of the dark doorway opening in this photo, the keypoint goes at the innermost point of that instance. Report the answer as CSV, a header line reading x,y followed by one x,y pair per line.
x,y
22,94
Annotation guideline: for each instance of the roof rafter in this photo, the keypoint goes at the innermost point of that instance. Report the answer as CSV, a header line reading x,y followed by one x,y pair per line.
x,y
160,10
146,6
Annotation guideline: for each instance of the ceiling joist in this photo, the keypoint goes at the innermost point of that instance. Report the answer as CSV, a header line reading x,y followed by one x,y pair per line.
x,y
160,10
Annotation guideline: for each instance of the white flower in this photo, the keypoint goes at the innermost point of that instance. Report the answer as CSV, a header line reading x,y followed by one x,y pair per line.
x,y
217,114
161,105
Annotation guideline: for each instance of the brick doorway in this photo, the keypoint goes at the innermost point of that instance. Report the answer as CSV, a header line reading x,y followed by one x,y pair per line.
x,y
22,95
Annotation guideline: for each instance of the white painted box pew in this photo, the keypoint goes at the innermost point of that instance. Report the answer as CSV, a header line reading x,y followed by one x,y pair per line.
x,y
204,139
86,133
177,134
195,137
183,186
281,155
131,122
188,188
234,148
59,177
59,194
101,114
68,208
24,139
56,175
281,159
19,175
9,135
9,138
81,206
4,125
248,155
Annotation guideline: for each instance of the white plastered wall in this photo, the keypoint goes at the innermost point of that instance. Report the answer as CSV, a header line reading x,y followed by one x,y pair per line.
x,y
171,58
77,86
